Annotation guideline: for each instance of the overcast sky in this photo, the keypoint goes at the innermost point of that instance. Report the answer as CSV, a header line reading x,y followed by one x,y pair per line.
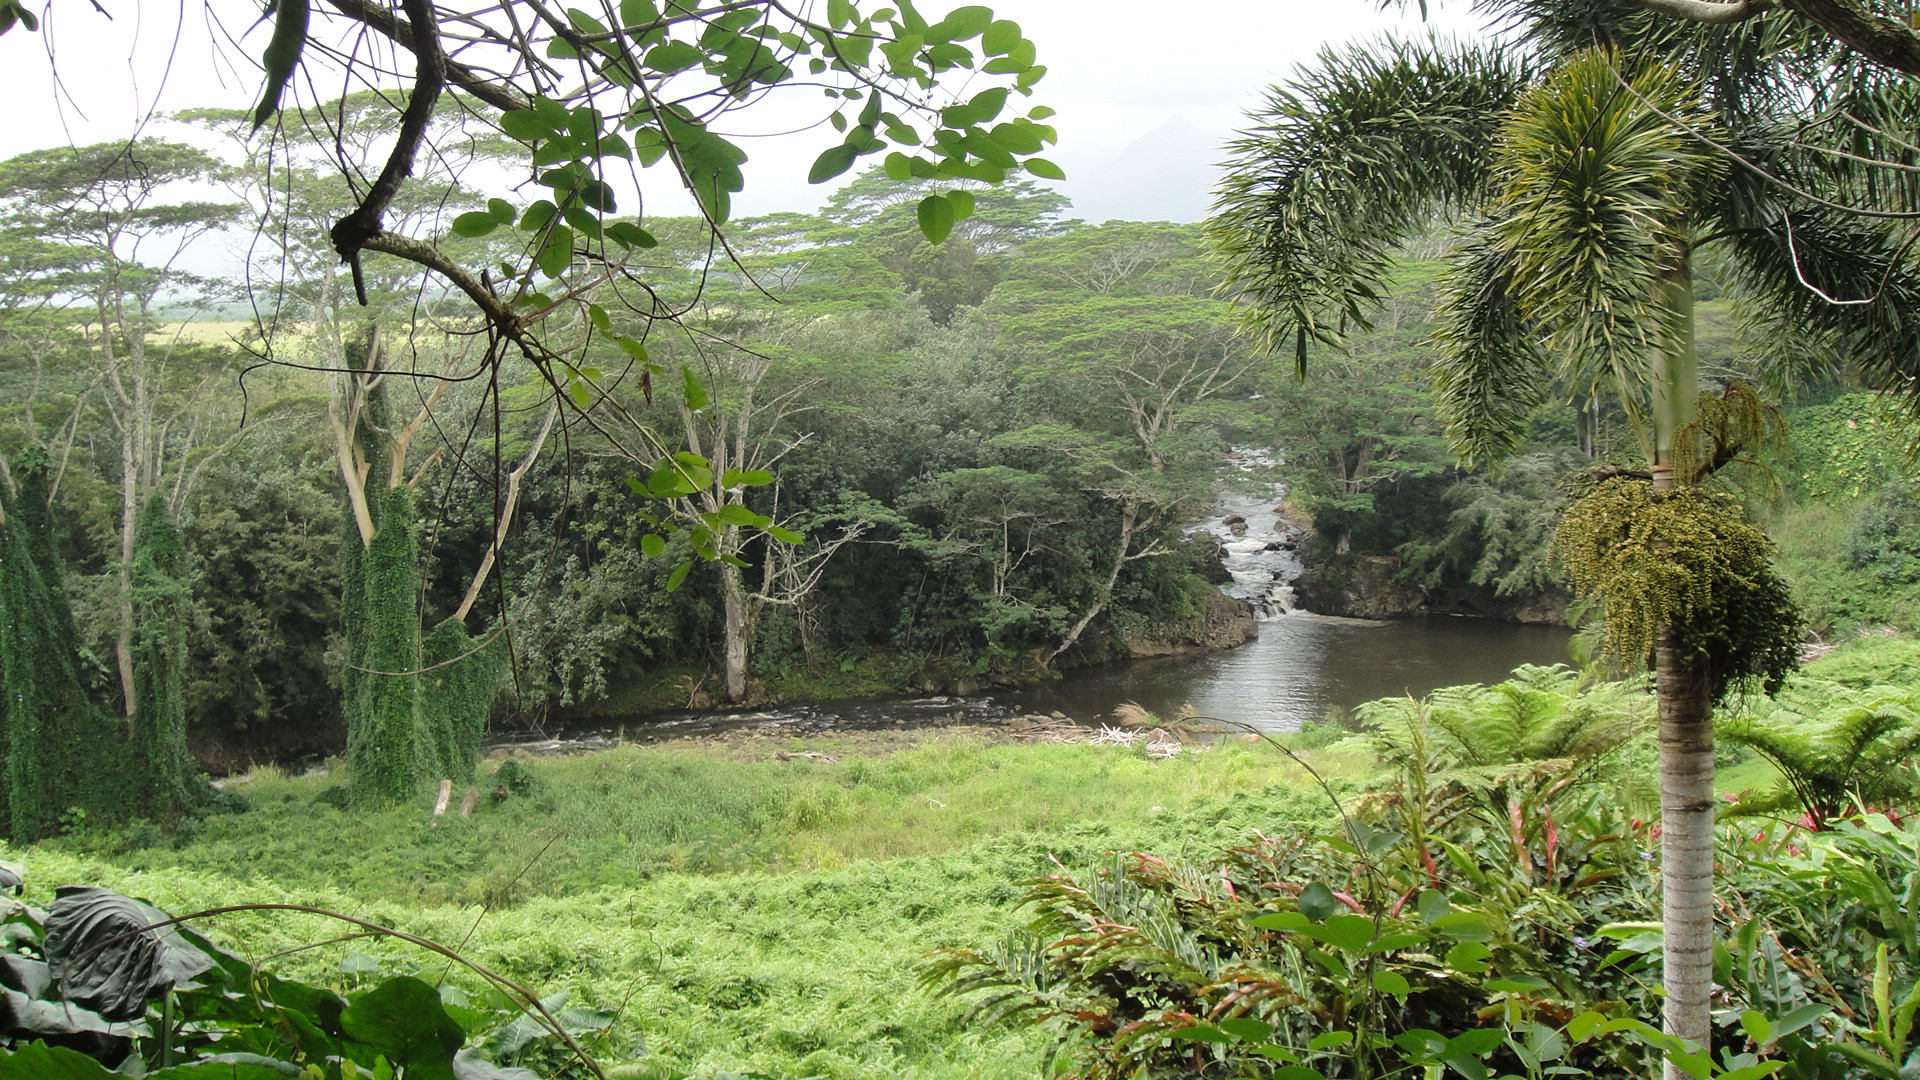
x,y
1146,91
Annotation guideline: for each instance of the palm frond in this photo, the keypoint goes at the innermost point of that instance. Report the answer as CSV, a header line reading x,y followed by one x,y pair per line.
x,y
1342,165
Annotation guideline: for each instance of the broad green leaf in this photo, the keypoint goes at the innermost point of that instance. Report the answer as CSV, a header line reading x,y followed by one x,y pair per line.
x,y
679,575
1246,1028
1317,901
745,478
1464,926
785,536
693,392
1518,984
502,211
1000,37
557,254
839,13
537,216
635,13
1043,168
834,161
674,56
635,349
403,1020
627,234
38,1061
1327,1040
897,167
1469,957
1349,932
653,545
598,316
598,195
962,23
525,125
1432,903
584,22
1392,982
1297,1072
1281,920
1202,1033
736,514
962,204
936,218
476,223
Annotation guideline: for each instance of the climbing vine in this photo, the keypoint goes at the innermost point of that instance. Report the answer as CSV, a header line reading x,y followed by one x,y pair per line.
x,y
387,748
1688,558
161,607
60,750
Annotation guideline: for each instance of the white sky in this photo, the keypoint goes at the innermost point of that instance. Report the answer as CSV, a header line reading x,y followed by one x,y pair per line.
x,y
1146,92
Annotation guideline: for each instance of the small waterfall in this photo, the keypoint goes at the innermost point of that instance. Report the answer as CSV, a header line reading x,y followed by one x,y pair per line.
x,y
1258,549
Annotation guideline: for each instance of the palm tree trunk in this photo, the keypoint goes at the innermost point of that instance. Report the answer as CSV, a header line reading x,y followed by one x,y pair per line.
x,y
1686,842
1685,700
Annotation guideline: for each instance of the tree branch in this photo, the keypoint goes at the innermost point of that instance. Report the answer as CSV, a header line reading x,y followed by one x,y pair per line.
x,y
1887,42
383,22
1708,12
352,232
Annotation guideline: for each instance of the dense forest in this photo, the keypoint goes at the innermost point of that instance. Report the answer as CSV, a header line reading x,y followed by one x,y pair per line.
x,y
326,453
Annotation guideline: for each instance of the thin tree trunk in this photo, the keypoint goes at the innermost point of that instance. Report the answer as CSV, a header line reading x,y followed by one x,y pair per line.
x,y
1686,843
1129,520
738,629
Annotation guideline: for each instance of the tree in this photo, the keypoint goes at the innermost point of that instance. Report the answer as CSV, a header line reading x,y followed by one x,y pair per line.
x,y
95,216
1590,183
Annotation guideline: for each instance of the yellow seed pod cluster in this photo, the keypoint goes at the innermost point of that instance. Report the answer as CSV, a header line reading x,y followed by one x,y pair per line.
x,y
1687,558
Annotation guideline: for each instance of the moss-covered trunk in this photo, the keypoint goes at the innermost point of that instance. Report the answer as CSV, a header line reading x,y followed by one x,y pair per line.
x,y
389,752
158,740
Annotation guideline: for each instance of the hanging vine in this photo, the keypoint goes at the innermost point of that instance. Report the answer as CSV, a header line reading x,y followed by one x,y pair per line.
x,y
161,606
1690,559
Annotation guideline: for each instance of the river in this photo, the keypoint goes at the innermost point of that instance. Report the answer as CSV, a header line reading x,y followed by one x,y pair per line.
x,y
1301,668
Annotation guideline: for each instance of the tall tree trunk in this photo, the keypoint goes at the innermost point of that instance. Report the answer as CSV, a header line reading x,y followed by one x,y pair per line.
x,y
1684,697
1686,843
739,631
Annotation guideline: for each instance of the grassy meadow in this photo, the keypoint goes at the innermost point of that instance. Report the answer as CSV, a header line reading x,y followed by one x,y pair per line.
x,y
741,906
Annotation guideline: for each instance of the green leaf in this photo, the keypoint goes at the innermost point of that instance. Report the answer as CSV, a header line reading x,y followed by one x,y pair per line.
x,y
1469,957
834,161
1202,1033
785,536
653,545
736,514
936,218
1464,925
1001,37
476,223
1432,904
584,22
557,254
1317,901
1297,1072
1282,920
598,195
674,56
1349,932
1392,982
693,392
38,1061
1043,168
597,315
1518,984
1247,1029
525,125
898,167
840,13
733,478
627,234
962,23
403,1020
962,204
1327,1040
635,13
635,349
679,575
502,211
537,216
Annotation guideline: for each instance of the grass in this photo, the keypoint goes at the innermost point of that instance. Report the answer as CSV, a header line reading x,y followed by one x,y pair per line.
x,y
760,904
741,911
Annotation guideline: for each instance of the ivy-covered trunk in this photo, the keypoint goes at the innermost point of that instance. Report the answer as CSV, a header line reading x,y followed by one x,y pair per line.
x,y
159,650
58,746
389,753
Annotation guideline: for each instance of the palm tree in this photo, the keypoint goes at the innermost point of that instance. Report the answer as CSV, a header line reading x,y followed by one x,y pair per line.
x,y
1586,159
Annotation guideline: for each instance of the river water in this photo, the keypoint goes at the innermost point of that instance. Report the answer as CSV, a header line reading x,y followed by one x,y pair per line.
x,y
1301,668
